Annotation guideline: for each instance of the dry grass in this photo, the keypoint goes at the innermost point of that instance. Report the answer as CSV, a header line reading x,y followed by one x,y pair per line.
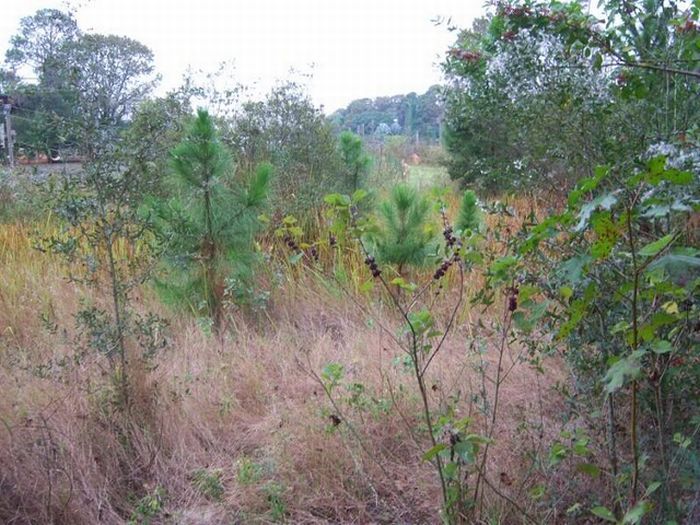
x,y
246,414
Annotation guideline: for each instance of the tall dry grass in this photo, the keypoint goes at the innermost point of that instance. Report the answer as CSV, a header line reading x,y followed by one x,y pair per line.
x,y
247,413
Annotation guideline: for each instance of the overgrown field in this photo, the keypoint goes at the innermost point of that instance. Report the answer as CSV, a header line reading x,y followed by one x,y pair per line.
x,y
240,429
251,314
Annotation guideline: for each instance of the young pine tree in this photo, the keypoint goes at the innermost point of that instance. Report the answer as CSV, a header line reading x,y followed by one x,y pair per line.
x,y
355,159
406,236
211,222
469,218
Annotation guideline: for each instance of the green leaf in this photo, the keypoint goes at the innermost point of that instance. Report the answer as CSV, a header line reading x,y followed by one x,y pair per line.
x,y
661,346
656,246
675,259
625,369
606,233
589,469
434,451
604,202
294,259
401,283
653,487
537,492
604,513
557,453
332,373
359,195
636,513
336,199
500,268
573,268
597,61
656,165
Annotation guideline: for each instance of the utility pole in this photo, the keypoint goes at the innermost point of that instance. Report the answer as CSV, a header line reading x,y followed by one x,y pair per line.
x,y
9,134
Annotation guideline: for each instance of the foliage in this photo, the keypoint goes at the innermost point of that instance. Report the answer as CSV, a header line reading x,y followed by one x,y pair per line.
x,y
209,221
40,40
626,283
456,453
406,236
87,86
208,483
469,218
110,75
547,69
411,115
286,130
356,161
47,107
109,245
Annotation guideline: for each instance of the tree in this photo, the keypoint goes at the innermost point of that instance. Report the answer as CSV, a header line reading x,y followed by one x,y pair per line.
x,y
505,102
210,223
355,159
111,75
41,40
87,86
546,69
46,107
469,218
110,245
405,236
287,130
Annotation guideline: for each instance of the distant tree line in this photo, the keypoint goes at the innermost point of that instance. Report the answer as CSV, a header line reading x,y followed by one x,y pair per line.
x,y
411,115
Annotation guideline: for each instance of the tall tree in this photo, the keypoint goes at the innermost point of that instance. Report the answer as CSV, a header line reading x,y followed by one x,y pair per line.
x,y
111,76
40,40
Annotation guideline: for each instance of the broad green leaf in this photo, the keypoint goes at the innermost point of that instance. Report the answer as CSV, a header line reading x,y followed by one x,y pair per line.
x,y
661,346
401,283
336,199
653,487
359,195
573,268
589,469
636,513
557,453
603,513
604,202
607,234
625,369
434,451
656,246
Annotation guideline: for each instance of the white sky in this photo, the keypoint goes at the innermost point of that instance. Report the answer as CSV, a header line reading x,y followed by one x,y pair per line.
x,y
358,48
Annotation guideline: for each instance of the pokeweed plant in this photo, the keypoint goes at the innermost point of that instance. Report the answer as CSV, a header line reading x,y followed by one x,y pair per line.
x,y
455,452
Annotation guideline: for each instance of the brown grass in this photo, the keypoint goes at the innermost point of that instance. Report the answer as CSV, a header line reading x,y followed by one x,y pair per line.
x,y
250,403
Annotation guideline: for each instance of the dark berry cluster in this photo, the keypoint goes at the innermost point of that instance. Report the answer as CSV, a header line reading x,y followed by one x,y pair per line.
x,y
442,270
290,242
313,251
450,239
372,265
332,240
513,299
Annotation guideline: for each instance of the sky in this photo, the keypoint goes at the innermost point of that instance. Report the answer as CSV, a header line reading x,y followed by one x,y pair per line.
x,y
352,48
